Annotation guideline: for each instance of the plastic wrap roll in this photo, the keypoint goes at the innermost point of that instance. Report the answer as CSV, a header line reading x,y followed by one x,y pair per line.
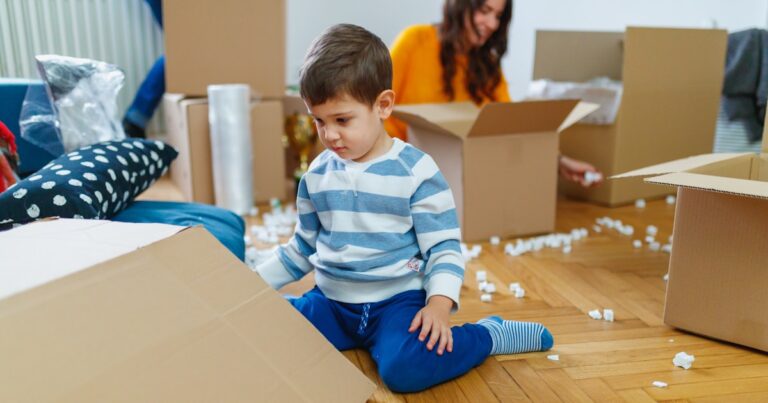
x,y
229,114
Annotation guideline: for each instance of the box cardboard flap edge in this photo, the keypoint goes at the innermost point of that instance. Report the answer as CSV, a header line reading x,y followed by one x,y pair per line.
x,y
683,164
465,120
734,186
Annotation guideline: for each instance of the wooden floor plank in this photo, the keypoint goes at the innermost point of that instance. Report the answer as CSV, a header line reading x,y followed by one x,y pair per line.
x,y
534,386
598,390
563,385
501,382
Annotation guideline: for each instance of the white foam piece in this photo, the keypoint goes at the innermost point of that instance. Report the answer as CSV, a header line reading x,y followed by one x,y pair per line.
x,y
651,230
595,314
649,239
554,357
495,240
514,287
481,275
667,248
482,285
592,177
637,243
683,360
519,293
567,249
671,200
608,315
597,229
490,288
659,384
655,246
247,240
666,277
640,203
486,298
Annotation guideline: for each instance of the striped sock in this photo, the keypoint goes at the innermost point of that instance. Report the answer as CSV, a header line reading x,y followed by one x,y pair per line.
x,y
512,337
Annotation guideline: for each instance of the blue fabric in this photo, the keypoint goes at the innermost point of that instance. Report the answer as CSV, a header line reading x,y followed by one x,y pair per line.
x,y
225,225
94,181
12,93
148,96
404,363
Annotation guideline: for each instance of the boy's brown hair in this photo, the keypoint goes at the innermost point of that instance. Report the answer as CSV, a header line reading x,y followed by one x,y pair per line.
x,y
345,59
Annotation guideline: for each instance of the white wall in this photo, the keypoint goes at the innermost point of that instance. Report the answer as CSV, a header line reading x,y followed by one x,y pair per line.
x,y
307,18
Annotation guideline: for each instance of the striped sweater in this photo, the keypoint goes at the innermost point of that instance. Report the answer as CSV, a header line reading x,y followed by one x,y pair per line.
x,y
373,230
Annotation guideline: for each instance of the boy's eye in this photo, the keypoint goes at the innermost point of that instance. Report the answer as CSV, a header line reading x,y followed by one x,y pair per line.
x,y
342,120
319,122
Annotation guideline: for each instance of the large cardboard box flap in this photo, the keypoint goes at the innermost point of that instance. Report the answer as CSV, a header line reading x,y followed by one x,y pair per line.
x,y
465,120
141,312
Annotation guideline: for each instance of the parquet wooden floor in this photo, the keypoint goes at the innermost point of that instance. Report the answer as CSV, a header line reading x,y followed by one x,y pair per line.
x,y
599,361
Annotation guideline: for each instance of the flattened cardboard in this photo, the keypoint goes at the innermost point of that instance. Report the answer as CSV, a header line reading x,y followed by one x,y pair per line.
x,y
671,91
180,319
224,42
189,133
487,154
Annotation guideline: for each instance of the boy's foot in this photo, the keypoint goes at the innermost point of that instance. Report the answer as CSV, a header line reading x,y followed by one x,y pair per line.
x,y
512,337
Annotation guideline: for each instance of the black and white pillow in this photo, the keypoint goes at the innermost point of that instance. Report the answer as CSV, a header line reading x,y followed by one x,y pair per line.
x,y
95,181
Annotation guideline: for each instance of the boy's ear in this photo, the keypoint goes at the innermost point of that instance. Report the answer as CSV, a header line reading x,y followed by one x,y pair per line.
x,y
385,103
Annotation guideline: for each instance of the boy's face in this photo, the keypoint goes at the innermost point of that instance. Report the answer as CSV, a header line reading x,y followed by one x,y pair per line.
x,y
352,129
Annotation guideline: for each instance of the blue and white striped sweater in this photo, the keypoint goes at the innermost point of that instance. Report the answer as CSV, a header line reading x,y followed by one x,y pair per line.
x,y
373,230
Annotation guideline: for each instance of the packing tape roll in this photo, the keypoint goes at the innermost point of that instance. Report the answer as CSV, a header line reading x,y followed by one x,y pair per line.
x,y
229,114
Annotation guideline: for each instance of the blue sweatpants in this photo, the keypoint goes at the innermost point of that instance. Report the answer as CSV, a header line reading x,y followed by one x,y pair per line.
x,y
404,363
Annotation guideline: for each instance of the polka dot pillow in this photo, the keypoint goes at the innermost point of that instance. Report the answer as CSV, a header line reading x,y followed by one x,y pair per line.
x,y
96,181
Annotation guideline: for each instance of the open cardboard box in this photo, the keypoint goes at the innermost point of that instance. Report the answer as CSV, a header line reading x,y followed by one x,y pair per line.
x,y
115,312
186,120
718,269
500,160
672,80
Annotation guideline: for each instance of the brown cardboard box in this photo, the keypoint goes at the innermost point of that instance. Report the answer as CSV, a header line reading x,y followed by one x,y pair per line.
x,y
186,120
718,273
223,42
500,160
671,91
117,312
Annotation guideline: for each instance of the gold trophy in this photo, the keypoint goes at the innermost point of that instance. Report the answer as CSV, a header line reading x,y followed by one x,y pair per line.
x,y
302,136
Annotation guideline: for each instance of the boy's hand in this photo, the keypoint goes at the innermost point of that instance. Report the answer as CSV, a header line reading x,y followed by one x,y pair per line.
x,y
434,322
575,170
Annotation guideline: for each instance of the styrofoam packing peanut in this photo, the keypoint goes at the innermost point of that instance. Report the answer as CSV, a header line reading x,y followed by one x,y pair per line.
x,y
650,239
519,293
490,288
666,277
567,249
597,229
608,315
654,246
481,275
482,285
667,248
553,357
486,298
247,240
640,203
514,287
651,230
495,240
683,360
637,243
671,199
595,314
659,384
592,177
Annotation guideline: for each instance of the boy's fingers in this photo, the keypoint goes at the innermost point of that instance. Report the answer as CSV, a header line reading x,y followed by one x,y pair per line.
x,y
443,342
426,325
434,337
415,322
450,341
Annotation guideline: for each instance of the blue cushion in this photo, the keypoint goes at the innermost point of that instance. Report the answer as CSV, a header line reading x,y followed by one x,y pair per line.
x,y
12,93
225,225
95,181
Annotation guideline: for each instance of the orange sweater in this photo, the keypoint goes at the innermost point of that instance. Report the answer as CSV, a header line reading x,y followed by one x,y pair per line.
x,y
418,74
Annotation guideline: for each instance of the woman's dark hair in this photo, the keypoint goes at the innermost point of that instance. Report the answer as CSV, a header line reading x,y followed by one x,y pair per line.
x,y
483,63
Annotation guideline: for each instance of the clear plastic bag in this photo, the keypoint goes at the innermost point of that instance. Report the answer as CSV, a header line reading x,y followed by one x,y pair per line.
x,y
78,107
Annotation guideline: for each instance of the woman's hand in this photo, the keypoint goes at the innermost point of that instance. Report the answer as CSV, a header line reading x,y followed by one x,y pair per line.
x,y
576,171
434,322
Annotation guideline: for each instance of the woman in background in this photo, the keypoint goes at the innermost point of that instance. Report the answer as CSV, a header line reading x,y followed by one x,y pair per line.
x,y
458,60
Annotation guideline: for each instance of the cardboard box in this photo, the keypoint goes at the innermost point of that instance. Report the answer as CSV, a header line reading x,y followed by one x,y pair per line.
x,y
717,271
671,92
224,42
186,120
500,160
118,312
